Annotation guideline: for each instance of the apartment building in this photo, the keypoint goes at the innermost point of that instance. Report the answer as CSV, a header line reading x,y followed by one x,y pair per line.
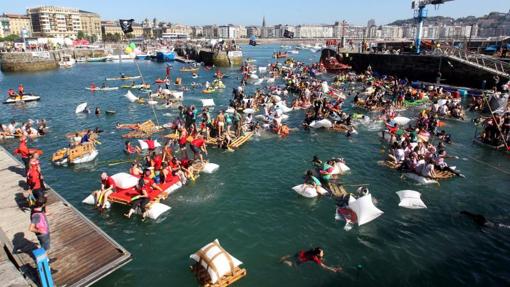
x,y
53,21
90,24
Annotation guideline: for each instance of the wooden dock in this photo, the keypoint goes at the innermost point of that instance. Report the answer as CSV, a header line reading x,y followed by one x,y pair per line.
x,y
81,252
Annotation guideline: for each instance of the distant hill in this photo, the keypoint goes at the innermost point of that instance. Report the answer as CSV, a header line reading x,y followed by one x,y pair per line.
x,y
492,19
492,24
436,20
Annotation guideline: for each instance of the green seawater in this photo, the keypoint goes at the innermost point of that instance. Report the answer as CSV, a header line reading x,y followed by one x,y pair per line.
x,y
249,204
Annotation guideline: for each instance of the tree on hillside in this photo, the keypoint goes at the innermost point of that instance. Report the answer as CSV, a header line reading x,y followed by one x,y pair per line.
x,y
10,38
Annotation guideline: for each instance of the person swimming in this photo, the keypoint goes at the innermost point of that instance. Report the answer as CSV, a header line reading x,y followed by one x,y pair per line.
x,y
481,221
313,255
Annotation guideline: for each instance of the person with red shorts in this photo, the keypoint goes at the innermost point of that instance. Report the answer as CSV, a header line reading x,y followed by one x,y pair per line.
x,y
313,255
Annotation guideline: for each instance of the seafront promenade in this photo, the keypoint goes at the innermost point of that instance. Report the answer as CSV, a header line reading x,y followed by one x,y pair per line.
x,y
80,253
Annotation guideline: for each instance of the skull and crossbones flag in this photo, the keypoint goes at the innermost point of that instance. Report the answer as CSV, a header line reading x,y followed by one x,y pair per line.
x,y
288,34
126,25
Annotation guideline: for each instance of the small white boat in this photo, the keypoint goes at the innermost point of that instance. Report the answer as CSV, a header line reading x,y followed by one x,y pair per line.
x,y
121,58
293,52
66,62
23,99
102,88
97,59
125,78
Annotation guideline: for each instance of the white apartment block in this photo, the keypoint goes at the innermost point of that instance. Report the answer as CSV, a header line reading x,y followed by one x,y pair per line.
x,y
55,21
314,31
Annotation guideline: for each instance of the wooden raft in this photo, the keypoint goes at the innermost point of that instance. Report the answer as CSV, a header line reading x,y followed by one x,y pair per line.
x,y
336,190
147,127
203,276
236,143
196,168
214,140
136,135
444,174
390,164
74,152
340,128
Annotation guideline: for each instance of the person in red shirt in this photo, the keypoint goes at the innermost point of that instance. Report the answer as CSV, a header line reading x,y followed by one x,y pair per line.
x,y
313,255
21,90
151,144
35,178
183,139
107,188
198,145
158,161
24,152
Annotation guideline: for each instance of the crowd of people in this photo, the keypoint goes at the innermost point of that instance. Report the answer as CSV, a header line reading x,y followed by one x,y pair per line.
x,y
30,129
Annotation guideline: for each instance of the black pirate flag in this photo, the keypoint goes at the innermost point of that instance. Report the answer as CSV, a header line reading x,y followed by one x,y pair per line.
x,y
288,34
126,25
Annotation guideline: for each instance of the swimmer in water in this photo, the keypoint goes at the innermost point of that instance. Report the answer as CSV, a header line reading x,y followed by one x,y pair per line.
x,y
481,221
313,255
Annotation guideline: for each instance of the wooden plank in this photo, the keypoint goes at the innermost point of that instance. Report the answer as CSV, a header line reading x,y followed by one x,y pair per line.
x,y
75,240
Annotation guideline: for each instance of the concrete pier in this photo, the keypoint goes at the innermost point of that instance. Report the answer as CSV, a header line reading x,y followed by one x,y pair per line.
x,y
42,60
75,240
423,68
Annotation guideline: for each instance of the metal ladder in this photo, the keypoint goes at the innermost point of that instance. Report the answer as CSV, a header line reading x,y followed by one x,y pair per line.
x,y
483,62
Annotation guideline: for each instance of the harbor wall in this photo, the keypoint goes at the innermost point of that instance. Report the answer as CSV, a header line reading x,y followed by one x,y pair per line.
x,y
42,60
422,68
221,58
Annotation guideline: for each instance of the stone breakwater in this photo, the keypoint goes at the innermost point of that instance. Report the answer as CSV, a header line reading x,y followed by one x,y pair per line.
x,y
42,60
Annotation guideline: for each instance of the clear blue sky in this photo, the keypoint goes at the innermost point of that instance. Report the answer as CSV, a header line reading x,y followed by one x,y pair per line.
x,y
201,12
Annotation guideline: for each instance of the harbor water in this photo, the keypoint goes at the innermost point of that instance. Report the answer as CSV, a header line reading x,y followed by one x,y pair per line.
x,y
248,204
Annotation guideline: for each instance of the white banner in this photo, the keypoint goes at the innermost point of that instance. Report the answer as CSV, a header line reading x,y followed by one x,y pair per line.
x,y
44,54
235,54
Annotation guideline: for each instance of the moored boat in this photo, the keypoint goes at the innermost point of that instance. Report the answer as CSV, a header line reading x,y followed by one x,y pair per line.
x,y
25,98
125,78
102,88
97,59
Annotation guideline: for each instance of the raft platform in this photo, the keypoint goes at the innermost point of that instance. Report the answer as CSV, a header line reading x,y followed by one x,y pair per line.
x,y
236,141
81,253
337,190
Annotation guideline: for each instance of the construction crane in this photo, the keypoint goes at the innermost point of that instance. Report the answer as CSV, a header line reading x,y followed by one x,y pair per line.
x,y
420,14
